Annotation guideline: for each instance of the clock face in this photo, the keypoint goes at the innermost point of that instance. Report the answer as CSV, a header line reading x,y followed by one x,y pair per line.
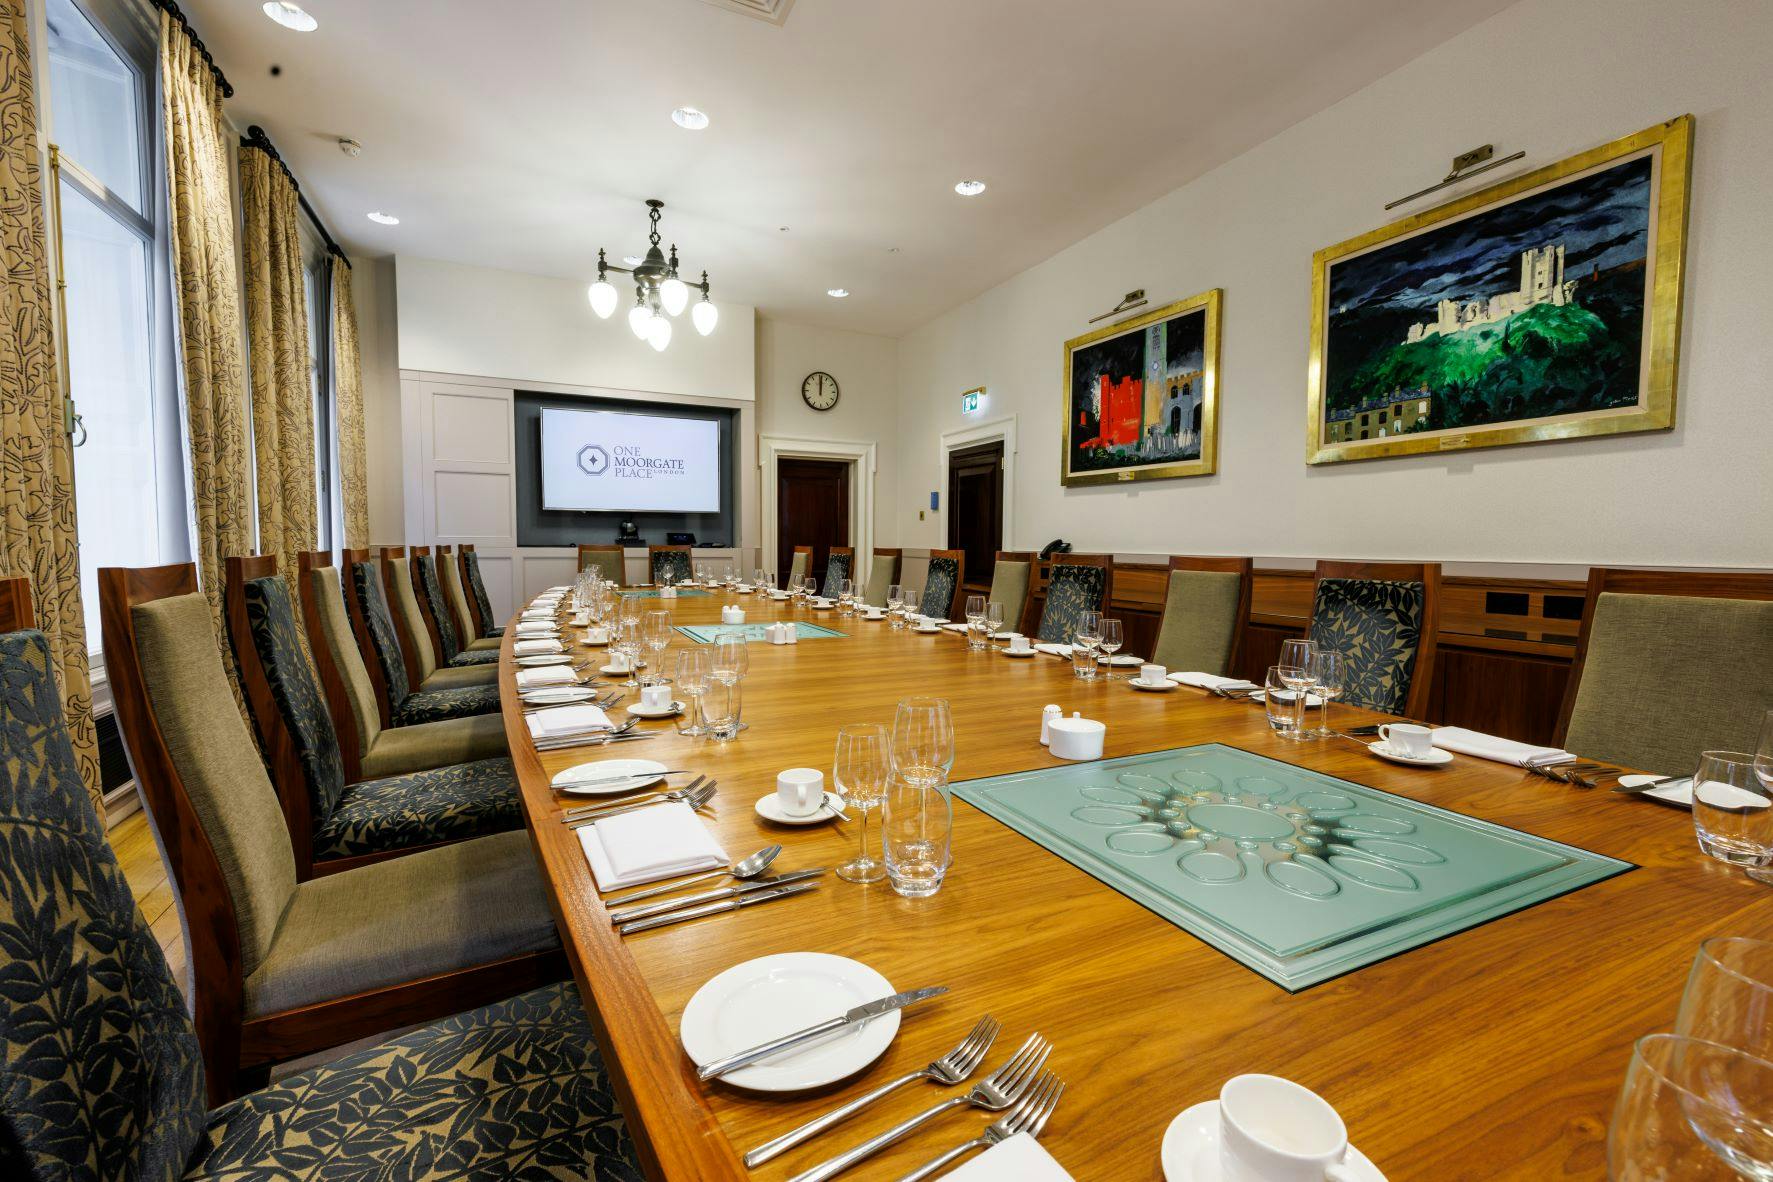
x,y
819,390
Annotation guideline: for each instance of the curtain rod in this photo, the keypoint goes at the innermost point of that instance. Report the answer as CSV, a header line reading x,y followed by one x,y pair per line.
x,y
171,9
255,137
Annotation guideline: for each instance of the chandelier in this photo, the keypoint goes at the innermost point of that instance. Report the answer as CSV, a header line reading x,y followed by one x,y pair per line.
x,y
658,293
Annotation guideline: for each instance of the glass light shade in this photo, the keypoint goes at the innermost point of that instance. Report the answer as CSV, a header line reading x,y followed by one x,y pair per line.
x,y
674,295
640,319
658,332
706,316
603,298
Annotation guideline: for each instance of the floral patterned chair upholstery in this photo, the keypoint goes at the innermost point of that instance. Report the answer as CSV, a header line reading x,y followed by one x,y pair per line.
x,y
1376,624
672,563
375,816
1073,588
407,707
837,569
938,588
101,1068
452,653
477,588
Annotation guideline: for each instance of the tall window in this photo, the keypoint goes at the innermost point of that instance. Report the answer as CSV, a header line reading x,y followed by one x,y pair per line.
x,y
129,469
317,287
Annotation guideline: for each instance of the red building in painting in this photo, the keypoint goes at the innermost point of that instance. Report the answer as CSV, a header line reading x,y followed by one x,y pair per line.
x,y
1121,416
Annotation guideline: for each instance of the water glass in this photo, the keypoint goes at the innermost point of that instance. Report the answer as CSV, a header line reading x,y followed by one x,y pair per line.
x,y
1692,1111
1286,705
1112,639
923,740
1764,752
1733,812
1729,995
690,676
859,773
721,703
917,826
975,616
1327,672
1083,662
846,597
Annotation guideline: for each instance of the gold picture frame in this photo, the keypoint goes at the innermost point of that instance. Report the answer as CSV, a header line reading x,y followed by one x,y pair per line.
x,y
1154,418
1478,325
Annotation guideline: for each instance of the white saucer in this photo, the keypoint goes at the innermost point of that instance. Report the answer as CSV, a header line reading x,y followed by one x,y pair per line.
x,y
1019,652
557,695
871,615
775,995
930,631
1435,758
609,769
640,711
1190,1151
536,660
587,642
779,595
1162,687
770,809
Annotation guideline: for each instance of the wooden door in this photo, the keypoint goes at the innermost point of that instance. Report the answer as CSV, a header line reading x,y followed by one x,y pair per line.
x,y
812,509
975,508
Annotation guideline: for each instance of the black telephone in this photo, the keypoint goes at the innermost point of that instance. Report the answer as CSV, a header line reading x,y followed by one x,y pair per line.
x,y
1056,546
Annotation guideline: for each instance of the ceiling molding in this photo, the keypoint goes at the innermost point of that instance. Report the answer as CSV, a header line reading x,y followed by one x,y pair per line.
x,y
773,11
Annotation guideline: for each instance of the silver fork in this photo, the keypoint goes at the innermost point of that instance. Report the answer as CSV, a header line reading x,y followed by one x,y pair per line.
x,y
695,800
951,1069
1029,1116
631,797
994,1093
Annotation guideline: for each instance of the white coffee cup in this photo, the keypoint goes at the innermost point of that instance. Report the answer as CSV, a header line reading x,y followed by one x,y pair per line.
x,y
800,791
1274,1130
1020,644
597,636
1153,674
1406,738
619,662
656,697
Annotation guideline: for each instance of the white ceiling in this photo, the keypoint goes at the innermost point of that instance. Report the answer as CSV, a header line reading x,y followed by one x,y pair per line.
x,y
526,134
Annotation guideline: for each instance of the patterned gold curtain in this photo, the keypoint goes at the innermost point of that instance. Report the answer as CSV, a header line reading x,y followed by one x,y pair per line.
x,y
347,368
277,338
37,529
206,286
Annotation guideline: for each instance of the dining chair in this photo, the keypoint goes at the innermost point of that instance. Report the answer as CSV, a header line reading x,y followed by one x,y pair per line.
x,y
839,565
668,560
444,693
1384,619
1206,610
280,967
373,749
609,561
799,565
335,824
475,586
883,572
440,628
455,599
1011,573
1669,664
16,613
942,585
1076,583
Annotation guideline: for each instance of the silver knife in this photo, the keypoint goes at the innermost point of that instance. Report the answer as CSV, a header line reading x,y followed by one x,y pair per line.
x,y
1659,782
733,904
861,1013
645,910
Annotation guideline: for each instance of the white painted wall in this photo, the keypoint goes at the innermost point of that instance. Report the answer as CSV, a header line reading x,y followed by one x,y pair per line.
x,y
531,329
372,291
1548,76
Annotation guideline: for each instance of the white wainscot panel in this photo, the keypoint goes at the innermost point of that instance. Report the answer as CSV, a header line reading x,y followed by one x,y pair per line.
x,y
496,571
542,571
473,505
470,429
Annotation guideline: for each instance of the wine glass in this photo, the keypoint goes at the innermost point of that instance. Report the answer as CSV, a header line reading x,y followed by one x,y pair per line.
x,y
1295,654
993,621
895,607
1326,670
1295,663
656,638
923,740
1733,812
626,641
812,586
913,603
757,578
859,772
1729,995
1691,1111
1089,632
690,675
975,613
1112,639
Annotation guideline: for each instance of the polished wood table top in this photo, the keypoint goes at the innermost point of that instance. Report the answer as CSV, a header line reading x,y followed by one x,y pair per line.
x,y
1494,1053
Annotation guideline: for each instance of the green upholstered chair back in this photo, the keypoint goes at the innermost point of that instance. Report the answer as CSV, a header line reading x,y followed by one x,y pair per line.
x,y
270,619
797,567
1073,588
477,588
100,1072
1009,586
837,569
610,565
1376,624
328,596
403,598
459,615
675,563
883,574
938,588
1200,621
219,767
378,621
1668,676
431,587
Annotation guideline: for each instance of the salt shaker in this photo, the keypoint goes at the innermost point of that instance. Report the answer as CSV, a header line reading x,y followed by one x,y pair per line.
x,y
1047,714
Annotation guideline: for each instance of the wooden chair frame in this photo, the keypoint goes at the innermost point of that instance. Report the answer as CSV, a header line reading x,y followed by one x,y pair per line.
x,y
360,629
482,627
238,1051
332,678
1429,575
654,550
1695,584
621,553
15,605
1244,569
960,579
389,557
446,556
1030,619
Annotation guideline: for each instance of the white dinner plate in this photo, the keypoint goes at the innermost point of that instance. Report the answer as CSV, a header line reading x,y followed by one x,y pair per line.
x,y
537,660
1162,687
1190,1151
762,999
640,711
632,771
770,809
1312,701
1676,792
557,695
930,630
1125,661
1435,758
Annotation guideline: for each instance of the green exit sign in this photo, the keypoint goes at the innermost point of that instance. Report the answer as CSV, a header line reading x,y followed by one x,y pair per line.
x,y
972,401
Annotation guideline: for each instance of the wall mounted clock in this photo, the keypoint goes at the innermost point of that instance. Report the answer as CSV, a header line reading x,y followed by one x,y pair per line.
x,y
819,390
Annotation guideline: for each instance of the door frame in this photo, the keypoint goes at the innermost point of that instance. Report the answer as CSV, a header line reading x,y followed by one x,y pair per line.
x,y
861,460
971,436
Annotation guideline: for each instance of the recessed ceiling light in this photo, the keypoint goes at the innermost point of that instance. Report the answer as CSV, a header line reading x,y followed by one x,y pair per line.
x,y
838,293
633,260
690,118
970,188
291,16
383,219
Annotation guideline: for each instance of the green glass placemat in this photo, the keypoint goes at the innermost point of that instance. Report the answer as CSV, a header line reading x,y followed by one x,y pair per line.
x,y
644,593
709,633
1297,875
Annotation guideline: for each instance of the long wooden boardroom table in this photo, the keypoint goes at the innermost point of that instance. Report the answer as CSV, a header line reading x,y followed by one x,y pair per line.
x,y
1496,1052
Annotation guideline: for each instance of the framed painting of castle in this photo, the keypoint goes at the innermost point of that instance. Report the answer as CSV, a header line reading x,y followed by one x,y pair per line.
x,y
1546,307
1142,397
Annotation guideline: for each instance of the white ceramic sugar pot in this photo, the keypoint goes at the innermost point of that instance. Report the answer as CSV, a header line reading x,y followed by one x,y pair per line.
x,y
1076,737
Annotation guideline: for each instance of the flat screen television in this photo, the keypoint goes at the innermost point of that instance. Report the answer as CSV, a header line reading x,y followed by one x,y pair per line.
x,y
612,461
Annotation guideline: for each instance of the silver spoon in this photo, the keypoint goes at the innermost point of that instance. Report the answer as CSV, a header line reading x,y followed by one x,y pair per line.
x,y
749,867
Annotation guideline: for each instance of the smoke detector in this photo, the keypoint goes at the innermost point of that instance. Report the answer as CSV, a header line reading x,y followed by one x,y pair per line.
x,y
350,147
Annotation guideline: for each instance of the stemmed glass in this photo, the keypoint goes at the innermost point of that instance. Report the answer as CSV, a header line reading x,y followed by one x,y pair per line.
x,y
913,604
1764,752
732,660
812,586
757,579
923,740
1691,1111
975,613
626,641
859,772
1088,636
1295,666
1112,639
993,621
1729,995
655,637
895,607
1326,670
690,675
846,597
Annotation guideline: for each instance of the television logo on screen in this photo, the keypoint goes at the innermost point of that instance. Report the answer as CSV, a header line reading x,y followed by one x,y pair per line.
x,y
593,460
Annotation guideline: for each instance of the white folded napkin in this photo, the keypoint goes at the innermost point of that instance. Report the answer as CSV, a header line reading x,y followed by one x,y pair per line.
x,y
1019,1159
535,630
566,720
649,844
1454,738
546,675
531,648
1212,681
1057,650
